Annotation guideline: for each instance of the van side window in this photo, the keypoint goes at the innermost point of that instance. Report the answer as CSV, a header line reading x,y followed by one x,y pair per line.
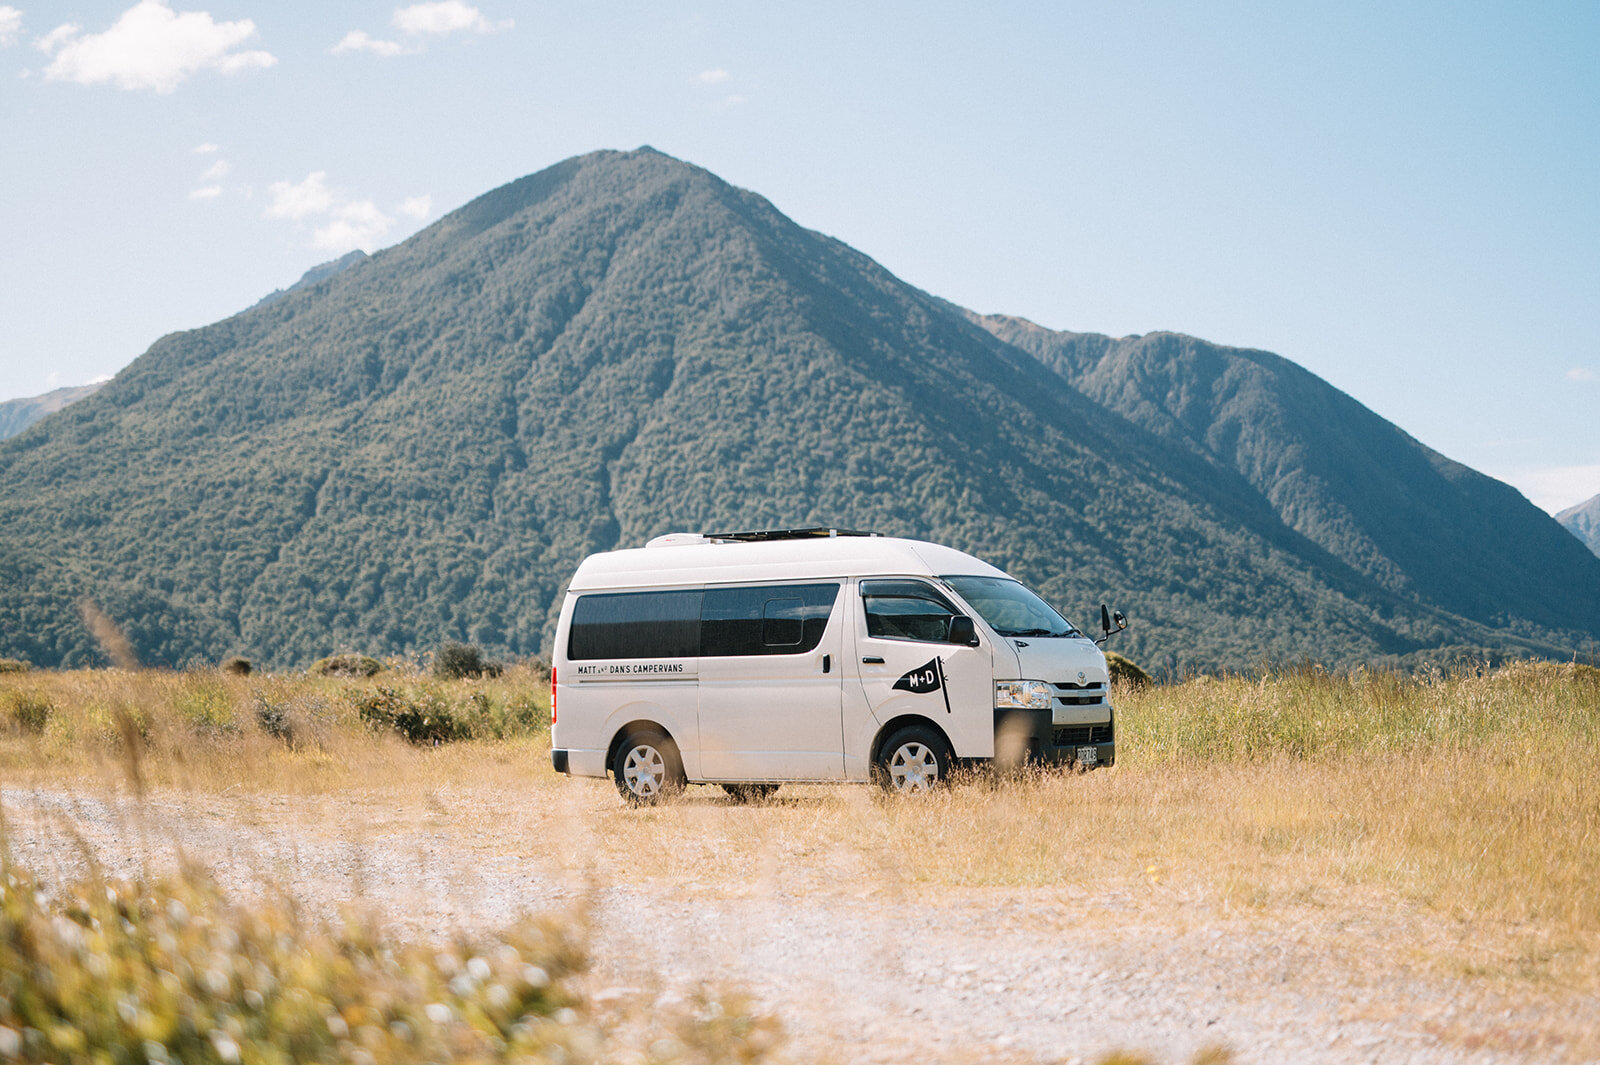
x,y
906,610
776,619
635,625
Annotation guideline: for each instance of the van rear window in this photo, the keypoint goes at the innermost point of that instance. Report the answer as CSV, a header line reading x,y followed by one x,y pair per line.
x,y
636,625
779,619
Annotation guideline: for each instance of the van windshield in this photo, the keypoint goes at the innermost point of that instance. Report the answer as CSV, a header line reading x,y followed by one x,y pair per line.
x,y
1010,608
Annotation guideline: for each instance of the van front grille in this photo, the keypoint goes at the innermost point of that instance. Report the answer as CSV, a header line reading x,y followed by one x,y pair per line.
x,y
1090,694
1083,735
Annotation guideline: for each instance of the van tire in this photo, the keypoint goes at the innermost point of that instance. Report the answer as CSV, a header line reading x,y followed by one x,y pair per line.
x,y
647,768
743,793
915,759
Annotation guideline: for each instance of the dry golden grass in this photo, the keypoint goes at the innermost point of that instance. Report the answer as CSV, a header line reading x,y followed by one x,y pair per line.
x,y
1446,824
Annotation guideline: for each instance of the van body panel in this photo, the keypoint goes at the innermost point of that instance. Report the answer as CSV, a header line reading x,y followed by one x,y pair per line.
x,y
928,678
774,717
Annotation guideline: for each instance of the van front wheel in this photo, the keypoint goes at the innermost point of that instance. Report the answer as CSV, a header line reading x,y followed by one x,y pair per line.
x,y
915,759
647,768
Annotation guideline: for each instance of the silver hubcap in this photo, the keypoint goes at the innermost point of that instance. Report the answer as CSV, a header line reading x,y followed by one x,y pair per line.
x,y
913,767
644,771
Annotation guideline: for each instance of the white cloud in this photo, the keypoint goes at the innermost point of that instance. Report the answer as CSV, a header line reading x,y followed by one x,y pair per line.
x,y
358,224
216,170
419,20
1580,373
361,41
712,77
443,17
338,224
206,192
311,196
10,24
100,379
204,149
57,37
417,206
150,46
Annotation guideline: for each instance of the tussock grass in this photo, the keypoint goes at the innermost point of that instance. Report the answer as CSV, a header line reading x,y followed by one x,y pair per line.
x,y
210,729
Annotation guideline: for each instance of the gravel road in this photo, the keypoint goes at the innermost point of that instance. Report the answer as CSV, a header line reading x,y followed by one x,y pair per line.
x,y
869,976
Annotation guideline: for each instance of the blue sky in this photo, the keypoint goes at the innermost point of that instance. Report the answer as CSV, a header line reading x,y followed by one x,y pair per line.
x,y
1403,198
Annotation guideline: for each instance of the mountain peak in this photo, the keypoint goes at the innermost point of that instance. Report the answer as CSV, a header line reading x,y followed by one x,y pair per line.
x,y
1583,521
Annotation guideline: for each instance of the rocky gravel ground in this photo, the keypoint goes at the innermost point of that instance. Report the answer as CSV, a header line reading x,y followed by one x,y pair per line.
x,y
866,975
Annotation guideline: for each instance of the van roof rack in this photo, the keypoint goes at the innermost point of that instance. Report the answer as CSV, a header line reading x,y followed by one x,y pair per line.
x,y
784,534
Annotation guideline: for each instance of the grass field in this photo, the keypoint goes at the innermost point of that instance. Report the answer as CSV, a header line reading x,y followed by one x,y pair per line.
x,y
1455,813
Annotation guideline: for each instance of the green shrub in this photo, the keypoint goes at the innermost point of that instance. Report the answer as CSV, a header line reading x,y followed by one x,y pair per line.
x,y
1125,670
206,704
488,719
460,661
28,712
346,665
421,715
14,665
237,666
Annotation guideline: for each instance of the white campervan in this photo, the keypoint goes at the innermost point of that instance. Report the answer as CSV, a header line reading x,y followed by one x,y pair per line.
x,y
754,659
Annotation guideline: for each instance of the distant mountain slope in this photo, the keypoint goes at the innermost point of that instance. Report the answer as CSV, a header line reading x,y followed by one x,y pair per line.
x,y
1583,521
320,272
621,345
1397,512
17,414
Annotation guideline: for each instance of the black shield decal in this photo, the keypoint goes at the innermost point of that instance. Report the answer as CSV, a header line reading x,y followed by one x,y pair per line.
x,y
928,677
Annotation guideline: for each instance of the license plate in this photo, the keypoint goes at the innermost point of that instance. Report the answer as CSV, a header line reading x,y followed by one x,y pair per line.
x,y
1088,756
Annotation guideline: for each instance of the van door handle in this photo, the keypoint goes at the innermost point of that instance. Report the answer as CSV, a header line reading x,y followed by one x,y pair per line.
x,y
872,660
827,663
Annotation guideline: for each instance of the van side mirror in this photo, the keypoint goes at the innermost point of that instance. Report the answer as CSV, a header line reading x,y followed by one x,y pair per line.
x,y
963,631
1110,621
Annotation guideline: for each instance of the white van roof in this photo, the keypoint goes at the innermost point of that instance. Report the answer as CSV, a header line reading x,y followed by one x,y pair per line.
x,y
688,558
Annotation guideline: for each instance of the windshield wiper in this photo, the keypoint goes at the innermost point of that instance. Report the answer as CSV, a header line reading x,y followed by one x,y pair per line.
x,y
1043,632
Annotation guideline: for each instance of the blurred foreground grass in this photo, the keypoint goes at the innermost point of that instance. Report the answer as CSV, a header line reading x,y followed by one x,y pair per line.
x,y
171,971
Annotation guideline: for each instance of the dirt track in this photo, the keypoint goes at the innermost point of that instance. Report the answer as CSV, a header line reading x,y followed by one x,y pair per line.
x,y
868,975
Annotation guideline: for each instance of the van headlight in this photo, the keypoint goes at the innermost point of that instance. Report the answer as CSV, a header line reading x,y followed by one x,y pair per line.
x,y
1022,695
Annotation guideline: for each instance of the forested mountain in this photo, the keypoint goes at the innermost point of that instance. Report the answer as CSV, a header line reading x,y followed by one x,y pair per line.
x,y
423,447
1583,521
1395,511
17,414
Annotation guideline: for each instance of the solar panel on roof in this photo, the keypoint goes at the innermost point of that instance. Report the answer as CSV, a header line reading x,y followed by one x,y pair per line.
x,y
784,534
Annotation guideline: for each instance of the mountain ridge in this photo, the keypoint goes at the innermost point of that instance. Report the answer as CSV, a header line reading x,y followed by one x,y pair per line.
x,y
1583,521
614,347
17,414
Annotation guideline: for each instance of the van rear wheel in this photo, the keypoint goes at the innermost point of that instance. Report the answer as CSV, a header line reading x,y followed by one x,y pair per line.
x,y
915,759
647,768
750,792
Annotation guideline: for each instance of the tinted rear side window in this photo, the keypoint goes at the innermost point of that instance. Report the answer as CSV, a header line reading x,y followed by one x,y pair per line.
x,y
636,625
781,619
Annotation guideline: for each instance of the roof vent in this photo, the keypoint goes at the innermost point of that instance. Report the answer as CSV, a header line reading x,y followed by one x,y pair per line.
x,y
677,540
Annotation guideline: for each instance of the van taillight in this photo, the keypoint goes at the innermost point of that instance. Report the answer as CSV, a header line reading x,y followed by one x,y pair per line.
x,y
552,695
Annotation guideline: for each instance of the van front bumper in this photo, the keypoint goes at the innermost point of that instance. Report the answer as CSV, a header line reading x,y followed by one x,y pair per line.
x,y
1031,736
